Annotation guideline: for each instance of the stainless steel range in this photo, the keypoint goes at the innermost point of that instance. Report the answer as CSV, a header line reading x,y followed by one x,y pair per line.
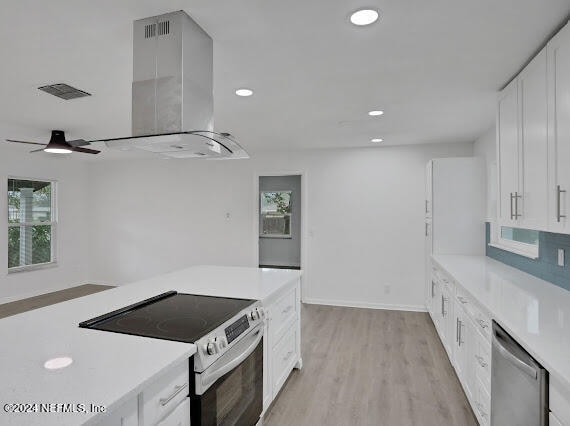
x,y
227,378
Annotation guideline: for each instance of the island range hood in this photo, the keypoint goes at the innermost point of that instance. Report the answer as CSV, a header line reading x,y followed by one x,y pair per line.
x,y
173,102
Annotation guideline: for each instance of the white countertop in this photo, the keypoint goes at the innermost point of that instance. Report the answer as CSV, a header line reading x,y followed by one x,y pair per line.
x,y
107,368
534,312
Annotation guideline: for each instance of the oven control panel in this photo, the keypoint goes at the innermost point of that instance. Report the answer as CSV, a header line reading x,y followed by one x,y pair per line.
x,y
236,329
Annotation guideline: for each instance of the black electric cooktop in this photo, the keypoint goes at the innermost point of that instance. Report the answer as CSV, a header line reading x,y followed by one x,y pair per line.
x,y
170,316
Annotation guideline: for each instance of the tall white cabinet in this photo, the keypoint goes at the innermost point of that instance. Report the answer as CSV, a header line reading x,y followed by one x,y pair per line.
x,y
558,52
522,149
533,142
454,211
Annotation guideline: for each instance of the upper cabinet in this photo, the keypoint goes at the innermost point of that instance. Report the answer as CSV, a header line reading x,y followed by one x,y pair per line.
x,y
559,131
522,148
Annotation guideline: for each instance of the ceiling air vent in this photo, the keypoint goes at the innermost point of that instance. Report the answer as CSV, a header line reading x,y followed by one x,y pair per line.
x,y
163,28
64,91
150,31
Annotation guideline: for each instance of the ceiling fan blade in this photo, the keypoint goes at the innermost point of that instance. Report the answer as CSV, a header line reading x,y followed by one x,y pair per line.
x,y
37,150
85,150
31,143
78,142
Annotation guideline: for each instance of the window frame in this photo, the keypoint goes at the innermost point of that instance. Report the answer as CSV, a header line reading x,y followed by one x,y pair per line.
x,y
53,223
278,236
523,249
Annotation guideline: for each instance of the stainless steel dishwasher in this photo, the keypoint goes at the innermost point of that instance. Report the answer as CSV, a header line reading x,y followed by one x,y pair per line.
x,y
519,384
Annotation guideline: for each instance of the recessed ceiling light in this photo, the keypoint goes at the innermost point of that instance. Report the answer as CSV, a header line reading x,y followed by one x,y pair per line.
x,y
375,113
376,140
57,363
244,92
364,17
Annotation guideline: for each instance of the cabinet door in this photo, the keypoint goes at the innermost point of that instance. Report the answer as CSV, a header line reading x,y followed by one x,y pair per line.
x,y
447,321
533,175
507,153
463,349
558,53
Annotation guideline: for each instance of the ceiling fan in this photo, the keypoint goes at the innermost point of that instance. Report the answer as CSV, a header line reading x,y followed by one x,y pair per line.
x,y
58,145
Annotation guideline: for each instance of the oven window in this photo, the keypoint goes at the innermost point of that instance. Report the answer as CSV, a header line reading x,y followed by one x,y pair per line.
x,y
237,398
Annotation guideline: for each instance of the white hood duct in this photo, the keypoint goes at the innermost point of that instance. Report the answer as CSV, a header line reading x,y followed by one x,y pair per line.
x,y
173,102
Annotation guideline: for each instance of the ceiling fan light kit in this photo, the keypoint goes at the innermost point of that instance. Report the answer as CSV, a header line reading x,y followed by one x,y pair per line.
x,y
58,145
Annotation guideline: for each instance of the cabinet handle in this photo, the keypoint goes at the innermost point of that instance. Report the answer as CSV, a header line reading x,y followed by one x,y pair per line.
x,y
558,192
287,310
177,390
459,338
457,330
432,290
443,311
427,206
481,361
462,300
512,214
517,196
427,229
482,323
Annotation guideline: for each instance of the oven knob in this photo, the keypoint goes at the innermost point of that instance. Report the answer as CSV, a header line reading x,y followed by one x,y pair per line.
x,y
260,312
223,342
253,315
211,348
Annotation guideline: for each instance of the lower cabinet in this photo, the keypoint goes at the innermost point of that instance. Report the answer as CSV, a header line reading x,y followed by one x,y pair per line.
x,y
282,342
126,415
464,329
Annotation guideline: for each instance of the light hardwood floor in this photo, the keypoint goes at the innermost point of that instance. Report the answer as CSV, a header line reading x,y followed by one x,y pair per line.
x,y
370,367
47,299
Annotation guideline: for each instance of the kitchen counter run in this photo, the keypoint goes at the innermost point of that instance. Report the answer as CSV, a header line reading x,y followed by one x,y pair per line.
x,y
534,312
108,368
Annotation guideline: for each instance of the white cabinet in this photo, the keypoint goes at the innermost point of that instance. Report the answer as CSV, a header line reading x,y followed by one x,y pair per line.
x,y
508,153
179,417
522,149
463,351
125,415
282,341
165,396
464,329
559,131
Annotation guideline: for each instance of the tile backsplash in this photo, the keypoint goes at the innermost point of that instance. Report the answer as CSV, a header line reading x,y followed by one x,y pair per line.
x,y
546,266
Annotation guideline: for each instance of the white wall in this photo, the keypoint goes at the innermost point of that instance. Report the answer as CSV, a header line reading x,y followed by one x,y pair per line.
x,y
363,209
71,244
486,148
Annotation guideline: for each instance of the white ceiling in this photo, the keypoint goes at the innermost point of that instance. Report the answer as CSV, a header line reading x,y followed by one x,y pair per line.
x,y
433,66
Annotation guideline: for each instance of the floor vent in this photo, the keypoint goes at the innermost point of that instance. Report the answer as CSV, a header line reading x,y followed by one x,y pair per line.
x,y
64,91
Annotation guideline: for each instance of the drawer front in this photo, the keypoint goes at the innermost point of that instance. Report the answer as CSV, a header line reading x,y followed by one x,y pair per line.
x,y
482,404
480,317
283,313
284,356
179,417
164,395
559,396
483,361
483,323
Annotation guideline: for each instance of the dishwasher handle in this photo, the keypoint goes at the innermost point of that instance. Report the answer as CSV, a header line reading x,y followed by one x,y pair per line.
x,y
512,358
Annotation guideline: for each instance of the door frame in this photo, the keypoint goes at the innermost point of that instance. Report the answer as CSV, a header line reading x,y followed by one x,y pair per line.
x,y
304,219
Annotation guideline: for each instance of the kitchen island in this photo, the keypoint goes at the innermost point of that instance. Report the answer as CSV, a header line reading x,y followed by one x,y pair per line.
x,y
108,370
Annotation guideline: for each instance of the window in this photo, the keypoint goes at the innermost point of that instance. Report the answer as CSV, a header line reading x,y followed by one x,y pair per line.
x,y
31,224
275,214
517,240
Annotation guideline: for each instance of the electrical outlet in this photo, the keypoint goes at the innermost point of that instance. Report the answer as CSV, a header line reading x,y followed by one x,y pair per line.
x,y
560,257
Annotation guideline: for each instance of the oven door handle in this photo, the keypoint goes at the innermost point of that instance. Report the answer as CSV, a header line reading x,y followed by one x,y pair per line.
x,y
207,378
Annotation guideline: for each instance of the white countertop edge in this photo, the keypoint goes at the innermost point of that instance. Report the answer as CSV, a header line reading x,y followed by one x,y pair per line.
x,y
552,370
96,418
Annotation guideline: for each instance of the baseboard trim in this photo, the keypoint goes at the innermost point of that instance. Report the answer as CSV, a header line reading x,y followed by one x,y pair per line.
x,y
366,305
